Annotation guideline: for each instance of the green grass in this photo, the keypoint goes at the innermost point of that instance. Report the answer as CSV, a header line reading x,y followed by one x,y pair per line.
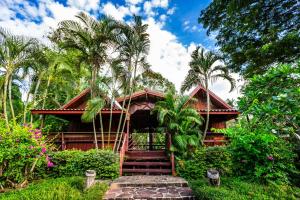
x,y
71,188
235,189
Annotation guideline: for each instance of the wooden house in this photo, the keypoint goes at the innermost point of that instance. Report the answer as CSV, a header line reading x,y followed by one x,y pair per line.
x,y
139,120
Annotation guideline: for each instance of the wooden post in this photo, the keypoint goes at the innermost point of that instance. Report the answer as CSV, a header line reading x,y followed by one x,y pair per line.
x,y
128,123
42,121
63,144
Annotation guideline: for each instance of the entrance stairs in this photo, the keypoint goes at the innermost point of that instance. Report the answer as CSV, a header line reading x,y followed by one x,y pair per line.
x,y
139,162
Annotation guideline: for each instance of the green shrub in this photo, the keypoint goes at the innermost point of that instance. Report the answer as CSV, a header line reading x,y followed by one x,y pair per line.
x,y
235,189
22,150
260,155
203,159
60,188
76,162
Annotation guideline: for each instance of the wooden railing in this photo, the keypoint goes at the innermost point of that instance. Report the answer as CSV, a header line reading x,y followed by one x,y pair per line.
x,y
123,150
172,158
80,140
215,139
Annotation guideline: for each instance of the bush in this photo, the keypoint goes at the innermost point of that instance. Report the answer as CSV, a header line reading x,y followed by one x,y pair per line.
x,y
76,162
260,155
203,159
235,189
22,150
60,188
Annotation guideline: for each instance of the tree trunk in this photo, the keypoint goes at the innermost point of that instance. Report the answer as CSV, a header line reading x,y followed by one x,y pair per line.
x,y
92,96
120,122
44,97
207,113
130,96
101,129
5,100
10,102
33,97
95,134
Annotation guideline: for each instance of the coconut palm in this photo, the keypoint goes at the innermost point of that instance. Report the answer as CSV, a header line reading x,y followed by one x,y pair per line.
x,y
204,69
134,47
92,38
15,53
181,121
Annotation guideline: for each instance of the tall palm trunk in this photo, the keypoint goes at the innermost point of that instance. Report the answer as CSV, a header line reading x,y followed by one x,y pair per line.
x,y
101,129
33,97
130,97
110,119
92,96
11,102
44,97
95,134
207,112
120,122
5,99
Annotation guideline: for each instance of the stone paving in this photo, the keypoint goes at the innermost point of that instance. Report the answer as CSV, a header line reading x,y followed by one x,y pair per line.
x,y
149,187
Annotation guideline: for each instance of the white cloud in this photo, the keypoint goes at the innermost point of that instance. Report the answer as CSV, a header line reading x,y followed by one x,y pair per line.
x,y
171,11
6,13
149,6
167,55
86,5
133,2
116,12
160,3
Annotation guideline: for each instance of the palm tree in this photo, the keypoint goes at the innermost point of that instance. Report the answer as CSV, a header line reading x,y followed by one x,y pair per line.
x,y
92,39
15,53
204,69
134,47
181,121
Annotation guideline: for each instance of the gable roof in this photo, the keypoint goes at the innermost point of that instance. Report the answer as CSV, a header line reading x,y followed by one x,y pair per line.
x,y
213,97
76,99
145,92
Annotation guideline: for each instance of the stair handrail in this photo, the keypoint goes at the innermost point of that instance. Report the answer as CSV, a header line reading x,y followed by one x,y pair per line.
x,y
172,157
123,149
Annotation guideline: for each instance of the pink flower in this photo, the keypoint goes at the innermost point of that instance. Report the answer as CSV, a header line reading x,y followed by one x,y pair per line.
x,y
50,164
31,147
270,158
44,150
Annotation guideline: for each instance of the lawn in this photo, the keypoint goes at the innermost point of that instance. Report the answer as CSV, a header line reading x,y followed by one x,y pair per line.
x,y
70,188
235,189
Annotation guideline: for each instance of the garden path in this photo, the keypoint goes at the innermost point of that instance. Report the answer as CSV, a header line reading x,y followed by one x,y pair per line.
x,y
149,187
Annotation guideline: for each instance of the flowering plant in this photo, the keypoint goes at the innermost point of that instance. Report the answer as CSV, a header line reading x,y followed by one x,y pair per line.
x,y
21,150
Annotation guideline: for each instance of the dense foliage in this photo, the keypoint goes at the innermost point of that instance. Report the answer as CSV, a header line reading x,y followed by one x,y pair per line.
x,y
75,163
260,155
61,188
22,150
236,189
177,118
273,99
196,166
252,35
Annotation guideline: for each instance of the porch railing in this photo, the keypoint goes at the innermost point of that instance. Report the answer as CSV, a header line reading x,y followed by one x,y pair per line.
x,y
123,150
69,139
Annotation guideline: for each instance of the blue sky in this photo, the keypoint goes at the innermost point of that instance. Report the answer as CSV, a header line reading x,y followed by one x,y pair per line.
x,y
173,27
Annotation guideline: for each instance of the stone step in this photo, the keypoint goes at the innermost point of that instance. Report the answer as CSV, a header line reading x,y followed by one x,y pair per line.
x,y
133,193
149,181
149,187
